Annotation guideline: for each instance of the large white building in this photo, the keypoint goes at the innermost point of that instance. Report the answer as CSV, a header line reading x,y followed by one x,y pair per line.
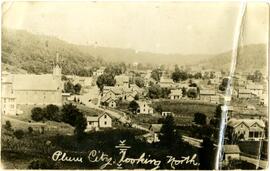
x,y
30,89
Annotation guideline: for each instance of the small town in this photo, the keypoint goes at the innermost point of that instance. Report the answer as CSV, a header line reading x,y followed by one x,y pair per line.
x,y
134,85
117,97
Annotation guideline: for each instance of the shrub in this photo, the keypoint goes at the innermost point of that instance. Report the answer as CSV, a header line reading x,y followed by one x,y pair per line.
x,y
52,113
8,125
30,130
19,134
37,114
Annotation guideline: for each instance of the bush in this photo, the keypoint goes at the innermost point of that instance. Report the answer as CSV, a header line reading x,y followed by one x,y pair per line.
x,y
52,113
19,134
30,130
37,114
8,125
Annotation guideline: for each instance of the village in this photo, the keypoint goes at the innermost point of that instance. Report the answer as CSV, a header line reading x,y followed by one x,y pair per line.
x,y
140,99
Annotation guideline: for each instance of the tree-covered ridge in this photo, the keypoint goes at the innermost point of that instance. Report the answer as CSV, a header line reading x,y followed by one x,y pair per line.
x,y
36,54
250,57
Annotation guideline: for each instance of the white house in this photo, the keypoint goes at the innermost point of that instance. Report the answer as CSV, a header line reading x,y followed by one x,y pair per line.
x,y
96,122
144,108
244,93
248,129
155,131
207,95
175,94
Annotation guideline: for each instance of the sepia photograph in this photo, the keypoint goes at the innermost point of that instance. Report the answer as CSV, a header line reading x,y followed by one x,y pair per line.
x,y
117,85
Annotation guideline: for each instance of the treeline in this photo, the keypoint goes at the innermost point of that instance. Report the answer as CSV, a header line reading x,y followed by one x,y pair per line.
x,y
36,54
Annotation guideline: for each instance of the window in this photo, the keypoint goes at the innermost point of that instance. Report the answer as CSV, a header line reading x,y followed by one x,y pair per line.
x,y
256,134
105,116
250,134
105,123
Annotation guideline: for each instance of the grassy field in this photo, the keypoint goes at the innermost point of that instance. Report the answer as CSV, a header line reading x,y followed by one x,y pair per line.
x,y
254,148
185,108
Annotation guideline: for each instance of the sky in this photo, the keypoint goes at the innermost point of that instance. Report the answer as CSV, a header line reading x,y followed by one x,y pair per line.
x,y
171,27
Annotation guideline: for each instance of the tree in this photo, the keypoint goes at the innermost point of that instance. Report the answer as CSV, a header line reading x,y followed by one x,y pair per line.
x,y
69,87
198,75
77,88
224,84
136,97
52,113
209,82
105,80
30,130
37,114
74,117
168,136
133,106
207,155
156,74
192,93
80,126
8,125
257,76
139,82
70,112
154,92
19,134
199,118
184,92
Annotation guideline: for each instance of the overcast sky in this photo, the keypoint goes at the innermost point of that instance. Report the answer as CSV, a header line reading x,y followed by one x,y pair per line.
x,y
186,28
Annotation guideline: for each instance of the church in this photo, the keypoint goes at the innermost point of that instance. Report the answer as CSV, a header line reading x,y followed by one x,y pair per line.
x,y
31,89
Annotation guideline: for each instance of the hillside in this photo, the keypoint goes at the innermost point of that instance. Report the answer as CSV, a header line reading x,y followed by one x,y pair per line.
x,y
251,57
36,53
26,52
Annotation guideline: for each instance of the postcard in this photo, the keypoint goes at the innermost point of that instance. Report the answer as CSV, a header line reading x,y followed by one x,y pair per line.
x,y
125,85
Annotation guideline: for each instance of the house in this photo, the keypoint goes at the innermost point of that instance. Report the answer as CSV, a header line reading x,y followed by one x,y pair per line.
x,y
244,93
111,103
247,129
144,108
155,131
175,94
165,114
231,152
96,122
166,82
8,99
30,89
207,94
255,89
99,72
122,80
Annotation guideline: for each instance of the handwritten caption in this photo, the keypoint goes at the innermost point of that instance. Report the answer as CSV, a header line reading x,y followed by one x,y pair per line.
x,y
97,156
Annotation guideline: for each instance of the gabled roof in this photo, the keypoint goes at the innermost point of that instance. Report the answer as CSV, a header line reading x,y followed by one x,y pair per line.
x,y
95,118
231,149
34,82
207,92
155,127
248,122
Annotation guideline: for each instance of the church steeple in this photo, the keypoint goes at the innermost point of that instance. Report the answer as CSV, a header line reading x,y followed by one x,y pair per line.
x,y
56,68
